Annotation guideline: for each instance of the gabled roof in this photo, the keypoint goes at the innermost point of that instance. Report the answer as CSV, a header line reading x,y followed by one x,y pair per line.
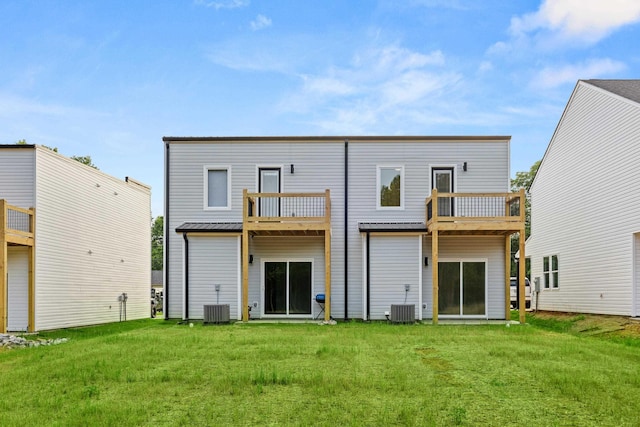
x,y
629,89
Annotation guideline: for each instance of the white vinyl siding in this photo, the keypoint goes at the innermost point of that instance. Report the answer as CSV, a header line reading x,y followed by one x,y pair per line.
x,y
217,186
588,171
18,288
92,244
463,248
285,248
213,261
317,166
17,175
488,171
394,263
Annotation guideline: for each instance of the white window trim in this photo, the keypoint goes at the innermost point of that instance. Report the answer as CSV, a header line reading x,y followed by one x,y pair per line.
x,y
205,198
263,261
452,166
551,286
486,289
402,187
269,166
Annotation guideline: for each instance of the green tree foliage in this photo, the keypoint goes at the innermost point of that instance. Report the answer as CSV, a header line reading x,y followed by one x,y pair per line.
x,y
390,196
85,160
523,180
157,235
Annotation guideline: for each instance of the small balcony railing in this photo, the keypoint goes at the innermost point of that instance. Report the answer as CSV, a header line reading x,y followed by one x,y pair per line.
x,y
17,223
287,207
475,207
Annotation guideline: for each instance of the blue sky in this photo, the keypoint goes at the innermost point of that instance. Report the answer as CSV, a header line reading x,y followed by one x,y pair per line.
x,y
111,78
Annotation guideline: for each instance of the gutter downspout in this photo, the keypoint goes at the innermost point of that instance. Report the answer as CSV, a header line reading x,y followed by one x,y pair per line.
x,y
186,275
368,254
165,240
346,229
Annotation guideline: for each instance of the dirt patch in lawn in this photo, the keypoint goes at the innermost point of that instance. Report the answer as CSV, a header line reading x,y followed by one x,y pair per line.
x,y
594,324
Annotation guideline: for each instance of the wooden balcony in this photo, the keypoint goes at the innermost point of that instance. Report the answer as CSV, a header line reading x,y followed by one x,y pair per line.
x,y
475,213
16,229
287,213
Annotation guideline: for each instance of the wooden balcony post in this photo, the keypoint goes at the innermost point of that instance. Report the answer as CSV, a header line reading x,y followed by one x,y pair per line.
x,y
31,325
3,266
522,207
434,275
327,275
507,277
521,276
434,205
327,206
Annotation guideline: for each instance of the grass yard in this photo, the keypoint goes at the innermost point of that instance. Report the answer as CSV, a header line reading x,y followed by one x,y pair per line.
x,y
156,373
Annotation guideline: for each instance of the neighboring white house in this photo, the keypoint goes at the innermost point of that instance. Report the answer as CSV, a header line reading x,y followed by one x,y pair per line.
x,y
86,242
585,217
267,223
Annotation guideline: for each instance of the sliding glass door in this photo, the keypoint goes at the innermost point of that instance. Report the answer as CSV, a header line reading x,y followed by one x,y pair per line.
x,y
462,288
287,288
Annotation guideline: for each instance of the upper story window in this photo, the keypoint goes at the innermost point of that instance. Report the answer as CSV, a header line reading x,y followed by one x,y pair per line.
x,y
390,185
217,187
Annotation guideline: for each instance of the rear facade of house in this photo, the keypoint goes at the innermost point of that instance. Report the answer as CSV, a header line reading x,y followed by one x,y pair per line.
x,y
585,204
72,241
273,226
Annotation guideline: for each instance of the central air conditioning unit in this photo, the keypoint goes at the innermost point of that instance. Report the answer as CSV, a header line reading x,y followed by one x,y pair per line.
x,y
217,313
403,313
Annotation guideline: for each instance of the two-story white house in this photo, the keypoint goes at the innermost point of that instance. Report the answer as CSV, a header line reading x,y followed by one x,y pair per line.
x,y
268,224
585,204
73,240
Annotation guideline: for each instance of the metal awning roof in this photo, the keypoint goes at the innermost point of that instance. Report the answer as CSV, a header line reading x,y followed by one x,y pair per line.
x,y
391,227
210,227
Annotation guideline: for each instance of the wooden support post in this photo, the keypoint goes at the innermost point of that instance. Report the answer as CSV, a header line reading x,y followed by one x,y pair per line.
x,y
32,274
3,267
434,275
245,275
327,275
521,276
245,257
507,278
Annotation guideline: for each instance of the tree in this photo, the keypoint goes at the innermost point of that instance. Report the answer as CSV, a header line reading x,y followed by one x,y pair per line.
x,y
85,160
157,234
523,180
390,196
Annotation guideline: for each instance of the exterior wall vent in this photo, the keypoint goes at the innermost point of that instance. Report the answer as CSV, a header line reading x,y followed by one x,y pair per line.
x,y
403,313
218,313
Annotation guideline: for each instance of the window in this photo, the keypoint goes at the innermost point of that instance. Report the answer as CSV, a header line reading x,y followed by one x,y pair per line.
x,y
390,187
217,186
550,270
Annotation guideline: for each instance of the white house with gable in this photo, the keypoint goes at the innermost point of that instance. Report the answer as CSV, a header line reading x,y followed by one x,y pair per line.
x,y
73,240
585,204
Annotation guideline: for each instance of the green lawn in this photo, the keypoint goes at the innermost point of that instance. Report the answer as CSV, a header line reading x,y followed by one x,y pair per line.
x,y
155,372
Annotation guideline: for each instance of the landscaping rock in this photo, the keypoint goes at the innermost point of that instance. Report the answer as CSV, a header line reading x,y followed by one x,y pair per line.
x,y
12,341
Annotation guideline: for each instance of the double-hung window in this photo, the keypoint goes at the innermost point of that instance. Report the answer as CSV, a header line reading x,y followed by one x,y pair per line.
x,y
217,187
390,187
550,271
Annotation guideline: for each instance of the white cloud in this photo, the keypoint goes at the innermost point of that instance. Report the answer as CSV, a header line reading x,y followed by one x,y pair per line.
x,y
222,4
261,22
583,20
553,77
380,87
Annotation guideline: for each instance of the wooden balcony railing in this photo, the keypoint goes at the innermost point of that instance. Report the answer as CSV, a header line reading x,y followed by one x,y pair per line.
x,y
499,208
286,207
16,223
